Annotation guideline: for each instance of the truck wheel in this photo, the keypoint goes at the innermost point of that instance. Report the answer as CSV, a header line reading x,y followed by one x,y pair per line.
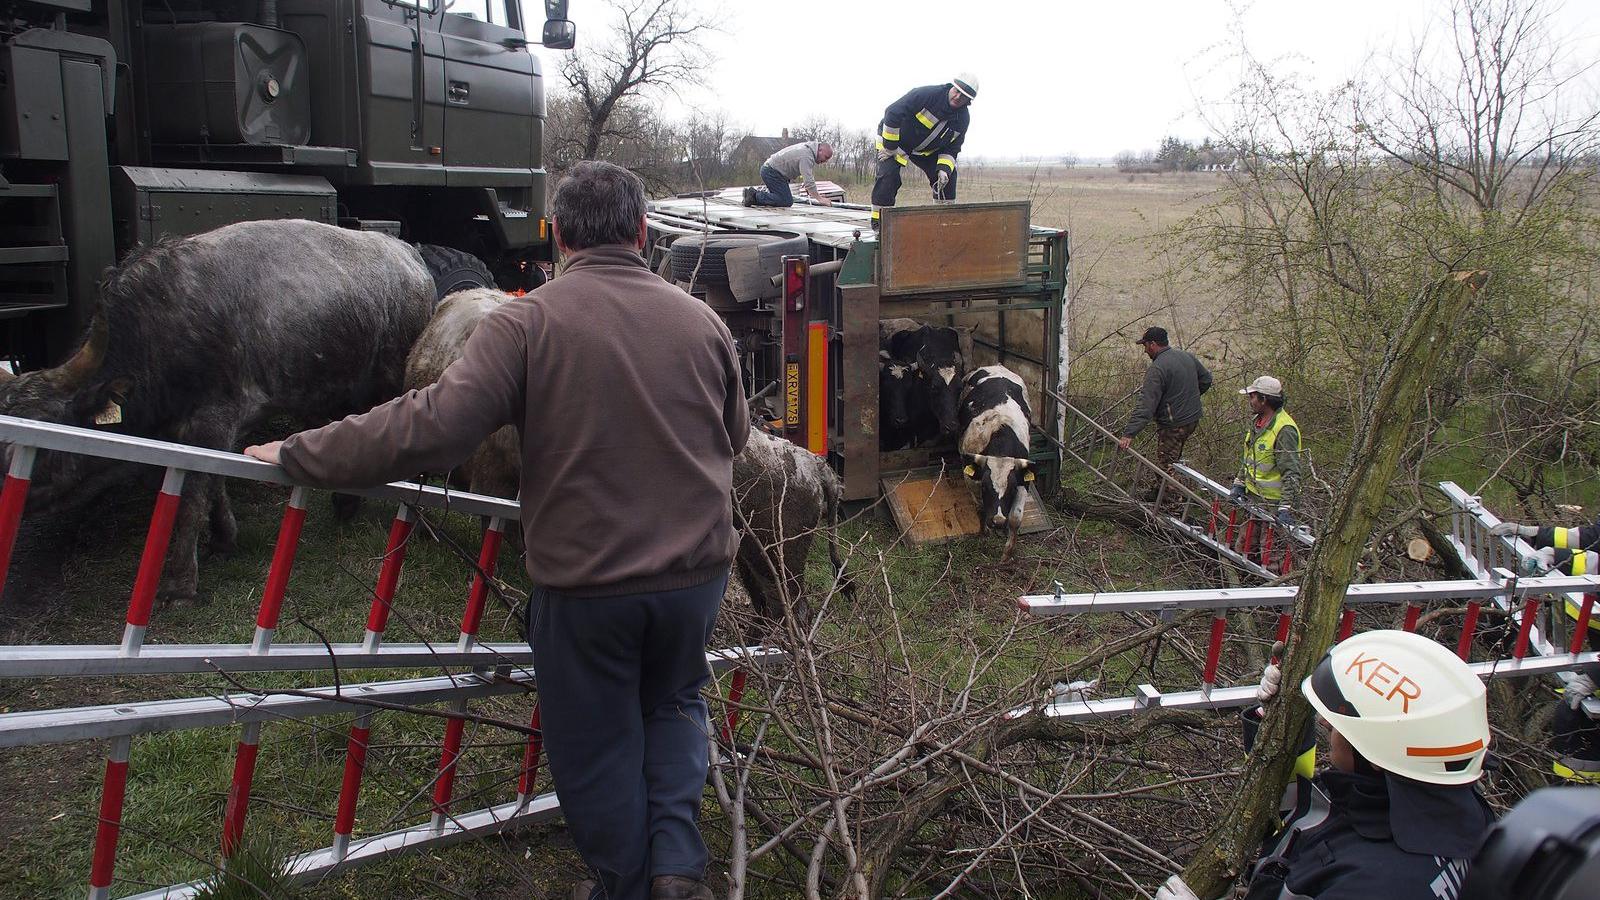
x,y
454,270
705,252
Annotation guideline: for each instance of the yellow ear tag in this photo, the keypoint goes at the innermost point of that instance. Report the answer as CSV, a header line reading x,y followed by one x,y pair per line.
x,y
1027,476
970,472
111,415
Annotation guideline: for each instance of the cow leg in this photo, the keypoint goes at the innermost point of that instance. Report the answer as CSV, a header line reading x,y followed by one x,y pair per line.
x,y
180,579
794,552
345,506
224,528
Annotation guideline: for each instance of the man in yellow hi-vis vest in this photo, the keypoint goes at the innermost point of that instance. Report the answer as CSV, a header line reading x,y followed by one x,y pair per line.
x,y
1271,467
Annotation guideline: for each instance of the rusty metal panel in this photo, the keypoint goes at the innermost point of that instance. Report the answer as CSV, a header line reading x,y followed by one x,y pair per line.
x,y
953,246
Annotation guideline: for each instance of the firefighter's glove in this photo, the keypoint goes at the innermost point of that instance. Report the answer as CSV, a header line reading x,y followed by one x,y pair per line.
x,y
1505,528
942,180
1579,689
1271,678
1539,563
885,155
1236,495
1286,516
1175,889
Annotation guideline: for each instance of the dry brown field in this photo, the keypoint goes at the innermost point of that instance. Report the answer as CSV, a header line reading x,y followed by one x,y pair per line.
x,y
1120,277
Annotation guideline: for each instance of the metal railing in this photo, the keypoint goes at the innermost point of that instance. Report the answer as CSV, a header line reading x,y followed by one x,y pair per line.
x,y
1520,599
487,670
1186,503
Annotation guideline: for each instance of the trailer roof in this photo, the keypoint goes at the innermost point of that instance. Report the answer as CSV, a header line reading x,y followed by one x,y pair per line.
x,y
834,226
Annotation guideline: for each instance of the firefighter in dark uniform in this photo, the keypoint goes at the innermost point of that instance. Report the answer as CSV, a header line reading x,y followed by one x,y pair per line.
x,y
924,128
1570,551
1398,814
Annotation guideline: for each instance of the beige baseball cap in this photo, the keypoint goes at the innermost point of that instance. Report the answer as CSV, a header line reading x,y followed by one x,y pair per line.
x,y
1266,386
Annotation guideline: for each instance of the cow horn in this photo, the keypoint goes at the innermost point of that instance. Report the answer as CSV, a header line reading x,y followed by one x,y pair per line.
x,y
87,360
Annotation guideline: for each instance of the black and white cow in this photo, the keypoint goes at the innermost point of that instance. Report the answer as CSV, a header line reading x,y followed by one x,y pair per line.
x,y
198,339
994,436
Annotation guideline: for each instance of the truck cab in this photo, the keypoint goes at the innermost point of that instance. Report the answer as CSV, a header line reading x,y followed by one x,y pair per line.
x,y
126,121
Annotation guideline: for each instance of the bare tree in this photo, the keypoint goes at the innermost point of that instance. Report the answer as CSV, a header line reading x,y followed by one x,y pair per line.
x,y
655,45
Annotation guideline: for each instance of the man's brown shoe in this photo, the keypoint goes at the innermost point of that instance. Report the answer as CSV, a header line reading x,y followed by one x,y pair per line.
x,y
678,887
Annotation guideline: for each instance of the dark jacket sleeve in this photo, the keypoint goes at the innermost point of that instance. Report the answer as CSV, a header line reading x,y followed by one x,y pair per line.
x,y
895,115
1149,397
1204,375
430,430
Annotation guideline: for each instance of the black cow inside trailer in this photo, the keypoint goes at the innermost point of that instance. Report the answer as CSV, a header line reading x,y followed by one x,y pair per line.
x,y
814,328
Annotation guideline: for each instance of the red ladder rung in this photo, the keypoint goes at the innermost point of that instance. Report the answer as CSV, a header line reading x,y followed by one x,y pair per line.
x,y
1413,613
1581,628
735,694
244,770
530,759
152,561
1530,611
283,554
394,558
1347,624
355,765
1469,627
112,793
1219,627
12,498
1284,620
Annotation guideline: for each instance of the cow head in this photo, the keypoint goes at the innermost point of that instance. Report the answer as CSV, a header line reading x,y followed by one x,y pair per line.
x,y
1002,478
896,381
72,393
939,358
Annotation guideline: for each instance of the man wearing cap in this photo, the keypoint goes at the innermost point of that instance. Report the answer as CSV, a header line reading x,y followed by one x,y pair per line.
x,y
1170,396
794,161
1398,815
924,128
1270,474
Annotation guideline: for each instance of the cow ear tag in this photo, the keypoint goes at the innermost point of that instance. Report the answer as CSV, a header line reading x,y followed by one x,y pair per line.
x,y
970,472
110,415
1027,476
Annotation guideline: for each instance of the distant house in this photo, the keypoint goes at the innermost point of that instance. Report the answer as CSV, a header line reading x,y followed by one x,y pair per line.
x,y
753,150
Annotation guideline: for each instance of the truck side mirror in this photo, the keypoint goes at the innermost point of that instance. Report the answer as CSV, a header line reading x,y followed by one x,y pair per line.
x,y
560,34
555,9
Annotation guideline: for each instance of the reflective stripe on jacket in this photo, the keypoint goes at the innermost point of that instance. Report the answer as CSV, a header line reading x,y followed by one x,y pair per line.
x,y
1262,475
924,123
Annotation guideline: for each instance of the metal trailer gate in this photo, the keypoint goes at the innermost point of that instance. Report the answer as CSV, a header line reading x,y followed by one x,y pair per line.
x,y
1005,280
484,670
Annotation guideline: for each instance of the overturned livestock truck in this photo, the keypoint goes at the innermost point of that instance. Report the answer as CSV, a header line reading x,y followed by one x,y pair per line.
x,y
806,290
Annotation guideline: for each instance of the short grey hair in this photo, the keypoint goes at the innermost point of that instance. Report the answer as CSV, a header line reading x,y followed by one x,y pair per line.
x,y
598,203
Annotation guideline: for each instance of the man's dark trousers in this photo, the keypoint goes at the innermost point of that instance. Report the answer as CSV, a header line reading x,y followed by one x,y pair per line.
x,y
778,192
887,184
625,727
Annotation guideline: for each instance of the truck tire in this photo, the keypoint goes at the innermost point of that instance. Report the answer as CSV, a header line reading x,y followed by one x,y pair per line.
x,y
712,268
454,270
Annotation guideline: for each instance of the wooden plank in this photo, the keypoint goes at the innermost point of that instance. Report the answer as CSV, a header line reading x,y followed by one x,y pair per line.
x,y
932,508
953,246
933,505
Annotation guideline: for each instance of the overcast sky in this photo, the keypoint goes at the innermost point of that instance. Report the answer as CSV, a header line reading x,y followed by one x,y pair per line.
x,y
1055,77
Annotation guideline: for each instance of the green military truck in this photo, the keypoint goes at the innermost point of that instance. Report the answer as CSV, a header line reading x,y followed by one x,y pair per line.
x,y
124,121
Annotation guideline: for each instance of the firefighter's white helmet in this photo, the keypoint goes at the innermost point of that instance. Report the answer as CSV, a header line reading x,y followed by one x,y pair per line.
x,y
1407,704
967,84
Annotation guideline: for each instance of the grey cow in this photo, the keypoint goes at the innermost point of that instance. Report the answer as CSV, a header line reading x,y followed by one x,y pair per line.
x,y
198,339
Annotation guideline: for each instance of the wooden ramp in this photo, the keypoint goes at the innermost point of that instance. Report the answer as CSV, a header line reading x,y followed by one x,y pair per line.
x,y
933,505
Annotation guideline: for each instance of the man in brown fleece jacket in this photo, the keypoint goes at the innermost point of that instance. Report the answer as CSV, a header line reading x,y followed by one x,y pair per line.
x,y
626,394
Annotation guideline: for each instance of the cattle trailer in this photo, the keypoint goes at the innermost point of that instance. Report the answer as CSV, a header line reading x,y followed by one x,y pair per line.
x,y
126,121
809,318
